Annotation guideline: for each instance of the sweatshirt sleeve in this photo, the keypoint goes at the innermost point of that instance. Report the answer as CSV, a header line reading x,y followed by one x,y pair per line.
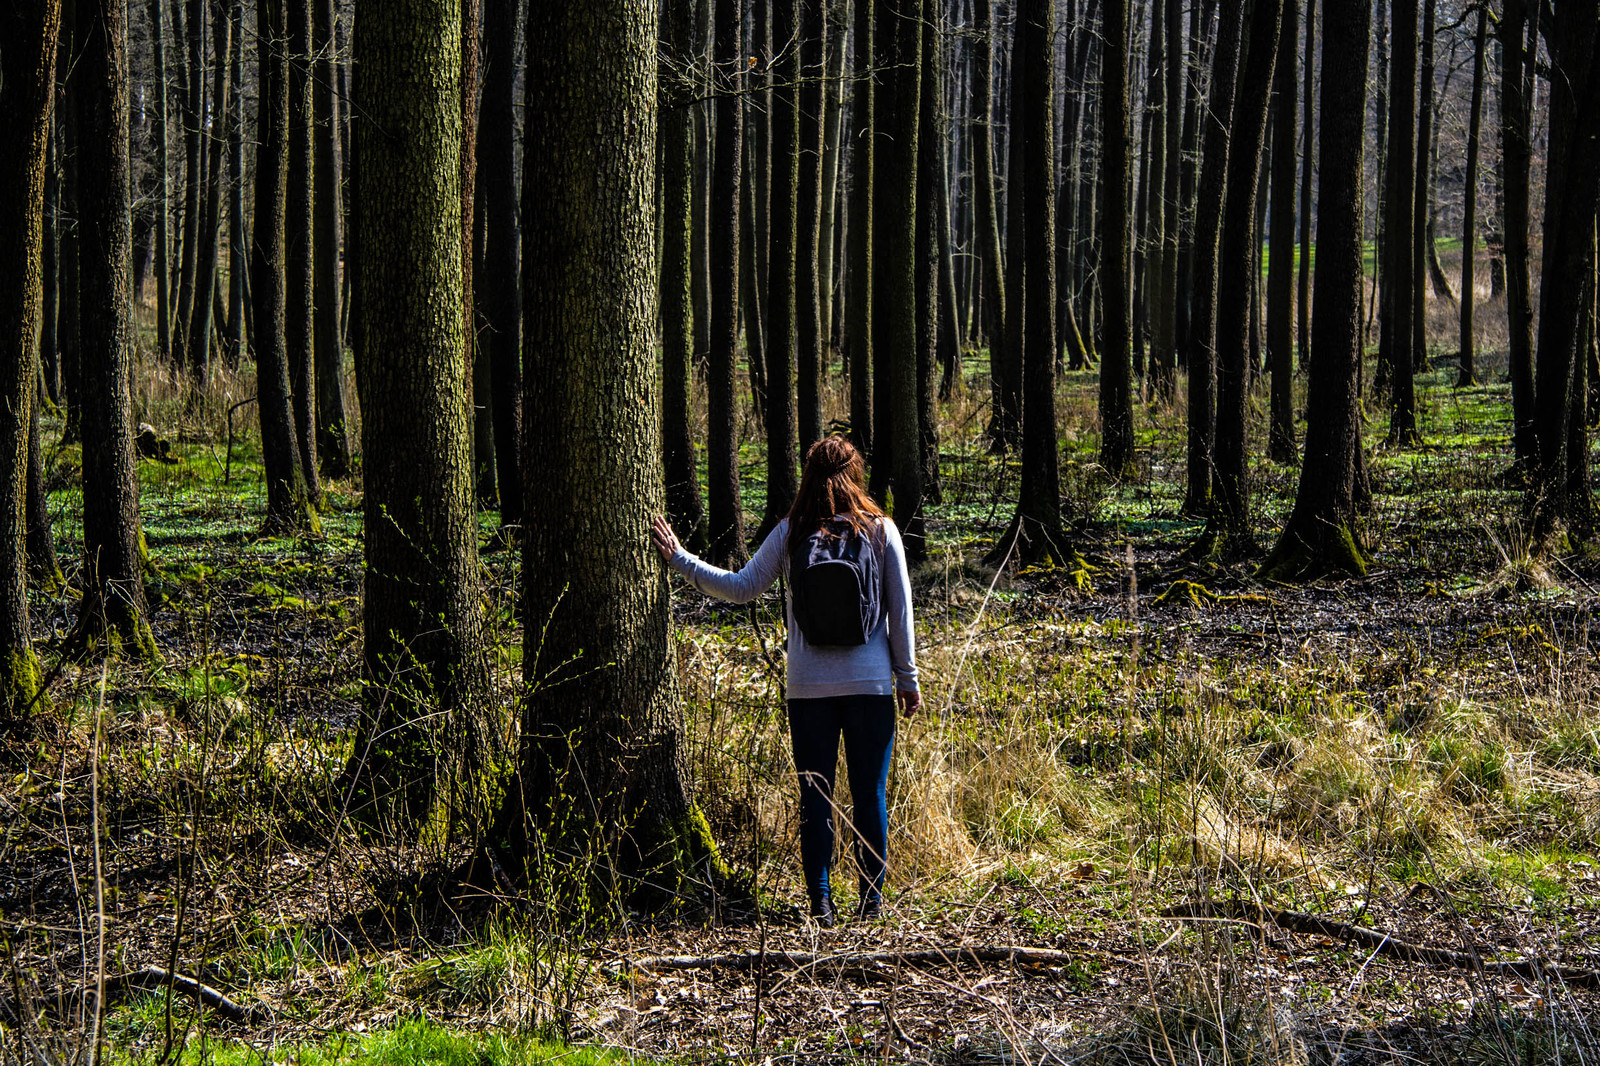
x,y
897,609
741,586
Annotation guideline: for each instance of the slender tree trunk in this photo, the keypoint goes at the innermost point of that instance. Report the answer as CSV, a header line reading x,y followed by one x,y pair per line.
x,y
782,306
829,213
238,256
29,36
1421,232
288,498
193,168
50,260
156,10
428,745
1164,356
1572,197
932,181
1228,527
332,433
808,300
1399,238
112,618
299,265
1320,535
1001,432
863,154
485,457
1469,207
498,289
1116,355
1307,171
1516,155
601,807
751,240
1280,261
44,569
722,426
1202,344
200,326
1035,534
676,154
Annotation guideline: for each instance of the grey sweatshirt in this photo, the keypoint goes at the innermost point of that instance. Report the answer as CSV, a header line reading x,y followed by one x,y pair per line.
x,y
876,668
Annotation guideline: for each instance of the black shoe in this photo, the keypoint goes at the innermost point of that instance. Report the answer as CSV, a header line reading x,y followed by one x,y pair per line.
x,y
822,912
871,909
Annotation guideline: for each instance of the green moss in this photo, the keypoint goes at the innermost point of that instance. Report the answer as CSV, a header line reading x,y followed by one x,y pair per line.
x,y
20,681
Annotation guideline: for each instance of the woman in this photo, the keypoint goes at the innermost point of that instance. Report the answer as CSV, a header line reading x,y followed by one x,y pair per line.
x,y
848,685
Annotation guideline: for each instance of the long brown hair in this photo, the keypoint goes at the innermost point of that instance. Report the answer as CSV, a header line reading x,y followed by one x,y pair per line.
x,y
834,483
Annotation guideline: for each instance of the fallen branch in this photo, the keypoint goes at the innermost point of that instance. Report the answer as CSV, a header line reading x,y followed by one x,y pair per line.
x,y
1382,943
955,955
153,978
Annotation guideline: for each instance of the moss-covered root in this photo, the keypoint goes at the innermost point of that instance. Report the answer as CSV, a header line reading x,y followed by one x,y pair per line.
x,y
1331,549
21,684
678,864
111,629
1026,542
1219,545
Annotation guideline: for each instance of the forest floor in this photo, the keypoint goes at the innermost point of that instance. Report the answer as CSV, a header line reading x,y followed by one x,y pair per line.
x,y
1416,752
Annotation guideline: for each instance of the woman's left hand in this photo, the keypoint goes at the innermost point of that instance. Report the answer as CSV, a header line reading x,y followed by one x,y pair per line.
x,y
910,702
662,536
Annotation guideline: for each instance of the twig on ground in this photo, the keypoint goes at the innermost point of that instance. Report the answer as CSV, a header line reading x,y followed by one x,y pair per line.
x,y
152,978
1382,943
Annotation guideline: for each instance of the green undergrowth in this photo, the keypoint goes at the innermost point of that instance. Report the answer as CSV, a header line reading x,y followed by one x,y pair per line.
x,y
411,1042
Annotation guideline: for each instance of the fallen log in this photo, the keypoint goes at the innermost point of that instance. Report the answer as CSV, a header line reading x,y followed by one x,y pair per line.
x,y
1382,943
954,955
154,978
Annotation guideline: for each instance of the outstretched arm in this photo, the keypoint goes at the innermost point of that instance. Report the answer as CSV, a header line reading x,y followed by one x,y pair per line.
x,y
741,586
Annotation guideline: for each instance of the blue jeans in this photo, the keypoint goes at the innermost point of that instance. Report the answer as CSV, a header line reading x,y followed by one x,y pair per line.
x,y
867,723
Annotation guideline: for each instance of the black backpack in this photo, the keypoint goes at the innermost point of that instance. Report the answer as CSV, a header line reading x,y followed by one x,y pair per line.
x,y
836,585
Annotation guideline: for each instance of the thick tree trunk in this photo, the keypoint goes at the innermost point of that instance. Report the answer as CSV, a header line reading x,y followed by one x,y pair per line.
x,y
112,618
1320,535
1280,261
1469,209
676,163
1116,355
288,500
28,45
1228,528
601,807
428,745
499,289
722,426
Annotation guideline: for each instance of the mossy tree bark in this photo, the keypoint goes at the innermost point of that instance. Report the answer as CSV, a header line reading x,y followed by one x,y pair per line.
x,y
677,90
722,429
1201,355
288,496
1228,526
499,287
1116,352
601,806
28,39
332,430
1320,536
429,747
112,618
